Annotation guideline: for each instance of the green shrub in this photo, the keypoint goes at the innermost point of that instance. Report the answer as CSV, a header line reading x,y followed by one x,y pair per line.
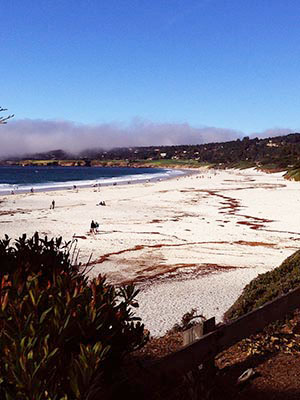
x,y
59,332
293,174
188,320
267,287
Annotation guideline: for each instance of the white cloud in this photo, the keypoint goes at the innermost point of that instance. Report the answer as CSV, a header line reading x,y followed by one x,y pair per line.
x,y
30,136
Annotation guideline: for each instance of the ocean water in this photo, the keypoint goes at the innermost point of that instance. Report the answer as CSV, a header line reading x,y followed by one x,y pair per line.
x,y
22,179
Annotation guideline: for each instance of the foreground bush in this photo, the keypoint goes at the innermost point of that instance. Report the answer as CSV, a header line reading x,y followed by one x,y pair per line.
x,y
293,174
59,333
267,287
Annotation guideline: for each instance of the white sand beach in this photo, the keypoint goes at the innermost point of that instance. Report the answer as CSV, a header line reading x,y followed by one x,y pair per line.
x,y
189,242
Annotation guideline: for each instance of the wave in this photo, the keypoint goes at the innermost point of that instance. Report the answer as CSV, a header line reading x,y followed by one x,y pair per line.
x,y
102,181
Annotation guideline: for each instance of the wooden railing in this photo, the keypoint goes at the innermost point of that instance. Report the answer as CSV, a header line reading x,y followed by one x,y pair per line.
x,y
224,336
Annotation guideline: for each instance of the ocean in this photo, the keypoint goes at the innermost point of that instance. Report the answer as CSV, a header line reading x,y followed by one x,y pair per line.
x,y
23,179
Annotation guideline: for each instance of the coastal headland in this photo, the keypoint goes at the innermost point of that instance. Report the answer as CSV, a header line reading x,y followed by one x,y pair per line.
x,y
190,242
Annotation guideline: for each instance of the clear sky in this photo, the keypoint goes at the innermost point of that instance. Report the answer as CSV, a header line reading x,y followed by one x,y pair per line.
x,y
231,64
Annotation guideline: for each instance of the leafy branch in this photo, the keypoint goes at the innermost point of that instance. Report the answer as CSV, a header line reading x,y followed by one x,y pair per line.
x,y
3,120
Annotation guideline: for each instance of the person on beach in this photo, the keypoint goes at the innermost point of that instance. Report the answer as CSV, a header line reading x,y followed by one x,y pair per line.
x,y
31,190
93,227
52,205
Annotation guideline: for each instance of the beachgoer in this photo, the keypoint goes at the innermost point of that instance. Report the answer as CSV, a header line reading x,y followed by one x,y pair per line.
x,y
93,226
52,205
31,190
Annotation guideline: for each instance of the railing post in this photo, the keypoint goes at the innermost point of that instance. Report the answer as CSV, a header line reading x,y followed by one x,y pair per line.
x,y
201,378
194,333
209,325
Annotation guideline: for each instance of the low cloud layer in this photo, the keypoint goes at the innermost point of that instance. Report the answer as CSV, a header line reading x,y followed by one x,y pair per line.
x,y
30,136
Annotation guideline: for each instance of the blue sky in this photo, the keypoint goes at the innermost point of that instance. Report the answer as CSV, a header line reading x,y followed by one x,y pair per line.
x,y
229,64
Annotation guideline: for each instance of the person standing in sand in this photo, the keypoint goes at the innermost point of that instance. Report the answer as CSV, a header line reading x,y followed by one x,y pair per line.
x,y
93,226
52,205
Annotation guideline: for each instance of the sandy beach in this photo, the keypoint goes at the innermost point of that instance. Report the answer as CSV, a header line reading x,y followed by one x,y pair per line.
x,y
189,242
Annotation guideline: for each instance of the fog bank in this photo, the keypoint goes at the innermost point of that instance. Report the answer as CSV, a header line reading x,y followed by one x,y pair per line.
x,y
27,136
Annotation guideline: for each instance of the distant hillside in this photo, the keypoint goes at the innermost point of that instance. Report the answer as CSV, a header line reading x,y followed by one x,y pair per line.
x,y
281,152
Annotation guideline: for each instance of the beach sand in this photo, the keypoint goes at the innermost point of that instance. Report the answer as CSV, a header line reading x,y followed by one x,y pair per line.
x,y
189,242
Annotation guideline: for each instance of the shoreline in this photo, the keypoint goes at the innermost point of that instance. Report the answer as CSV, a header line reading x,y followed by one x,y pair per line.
x,y
97,182
190,242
